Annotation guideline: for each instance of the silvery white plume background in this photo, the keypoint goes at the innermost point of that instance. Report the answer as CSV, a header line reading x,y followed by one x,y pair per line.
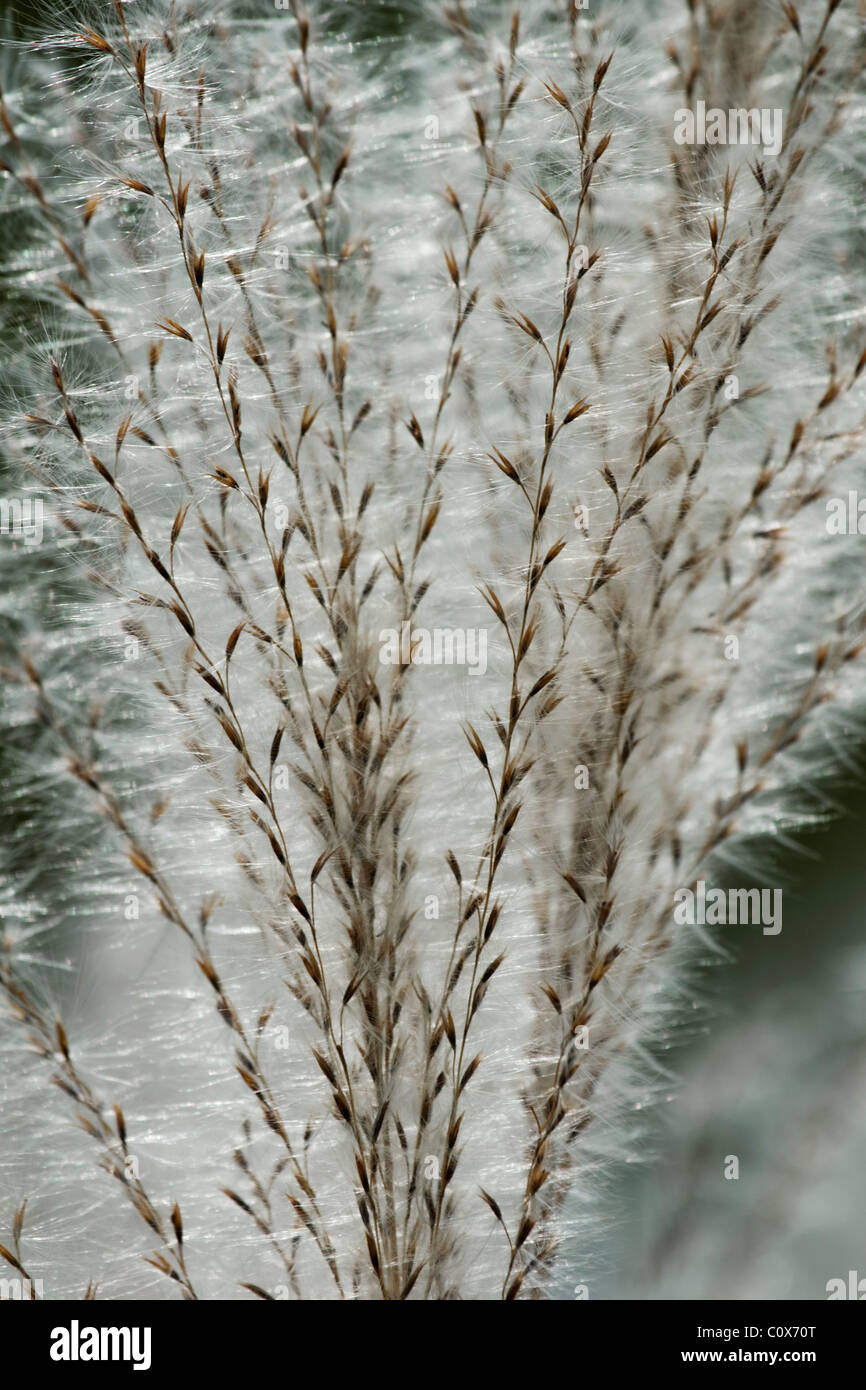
x,y
391,204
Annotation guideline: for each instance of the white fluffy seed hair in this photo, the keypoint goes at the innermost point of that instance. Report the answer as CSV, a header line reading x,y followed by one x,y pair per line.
x,y
320,331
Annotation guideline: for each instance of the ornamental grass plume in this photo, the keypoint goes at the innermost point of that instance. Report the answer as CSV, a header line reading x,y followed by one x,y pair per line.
x,y
419,450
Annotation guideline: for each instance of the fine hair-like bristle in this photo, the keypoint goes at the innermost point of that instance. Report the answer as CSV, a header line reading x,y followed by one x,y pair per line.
x,y
436,580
